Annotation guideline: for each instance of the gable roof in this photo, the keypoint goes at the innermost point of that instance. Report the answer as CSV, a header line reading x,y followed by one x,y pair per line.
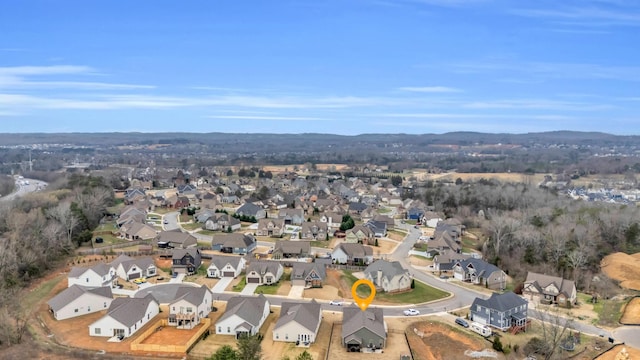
x,y
191,294
143,263
364,229
263,267
481,267
234,240
220,261
101,269
248,209
542,281
500,302
176,237
128,311
292,247
120,259
356,206
306,314
75,291
180,253
389,269
248,308
301,270
355,250
354,319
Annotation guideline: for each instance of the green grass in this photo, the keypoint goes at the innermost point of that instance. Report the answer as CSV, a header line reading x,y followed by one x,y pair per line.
x,y
421,257
207,232
421,247
204,244
320,243
107,240
191,226
241,284
384,210
41,292
609,312
420,294
411,222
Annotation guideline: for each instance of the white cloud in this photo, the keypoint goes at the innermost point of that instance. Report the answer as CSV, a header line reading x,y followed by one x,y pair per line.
x,y
44,70
258,117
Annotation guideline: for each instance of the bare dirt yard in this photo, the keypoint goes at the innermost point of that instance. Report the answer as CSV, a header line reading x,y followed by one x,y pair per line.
x,y
432,340
617,353
624,268
384,247
326,292
631,314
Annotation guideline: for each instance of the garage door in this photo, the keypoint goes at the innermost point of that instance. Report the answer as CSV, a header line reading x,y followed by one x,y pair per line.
x,y
229,274
134,275
253,280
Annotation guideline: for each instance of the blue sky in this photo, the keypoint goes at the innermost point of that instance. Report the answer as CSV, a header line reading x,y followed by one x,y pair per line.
x,y
338,66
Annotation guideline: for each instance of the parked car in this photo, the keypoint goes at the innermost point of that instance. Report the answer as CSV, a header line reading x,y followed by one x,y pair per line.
x,y
462,322
165,221
411,312
140,280
444,277
99,240
336,302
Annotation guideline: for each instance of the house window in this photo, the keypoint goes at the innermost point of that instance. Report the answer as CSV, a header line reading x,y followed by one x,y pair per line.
x,y
173,308
189,309
228,329
87,279
277,336
105,304
286,337
88,308
219,329
96,331
75,310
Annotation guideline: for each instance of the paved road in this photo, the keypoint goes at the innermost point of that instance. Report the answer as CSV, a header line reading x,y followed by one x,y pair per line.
x,y
22,188
628,334
170,221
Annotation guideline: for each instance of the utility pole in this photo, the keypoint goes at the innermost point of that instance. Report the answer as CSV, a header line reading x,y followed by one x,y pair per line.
x,y
30,163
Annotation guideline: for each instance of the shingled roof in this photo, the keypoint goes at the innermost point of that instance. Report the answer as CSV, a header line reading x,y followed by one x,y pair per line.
x,y
128,311
354,319
75,291
248,308
306,314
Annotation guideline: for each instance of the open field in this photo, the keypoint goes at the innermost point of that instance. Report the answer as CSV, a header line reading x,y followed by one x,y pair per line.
x,y
442,341
624,268
631,313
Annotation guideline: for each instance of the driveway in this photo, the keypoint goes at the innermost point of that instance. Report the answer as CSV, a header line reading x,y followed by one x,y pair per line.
x,y
296,291
177,279
221,285
249,289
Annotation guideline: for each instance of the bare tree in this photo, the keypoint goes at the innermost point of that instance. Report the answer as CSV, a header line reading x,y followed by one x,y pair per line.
x,y
554,331
66,218
93,202
501,228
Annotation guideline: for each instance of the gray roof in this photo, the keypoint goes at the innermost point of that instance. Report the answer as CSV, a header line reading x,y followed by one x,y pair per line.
x,y
248,209
263,267
128,311
177,237
220,261
292,247
500,302
180,253
389,269
143,263
481,267
302,270
354,319
306,314
120,259
191,294
75,291
248,308
101,269
542,281
355,250
234,240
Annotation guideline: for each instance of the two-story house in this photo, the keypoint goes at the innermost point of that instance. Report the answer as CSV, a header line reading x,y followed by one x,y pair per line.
x,y
547,289
314,230
480,272
191,305
185,261
270,227
500,311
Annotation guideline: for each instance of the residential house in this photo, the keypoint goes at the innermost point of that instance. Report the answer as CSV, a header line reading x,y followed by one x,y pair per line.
x,y
191,305
225,266
480,272
233,243
222,222
133,194
314,230
299,322
270,227
129,268
80,300
349,253
388,276
379,228
500,311
185,261
356,208
177,202
137,231
125,317
363,329
249,209
131,214
186,189
244,316
309,275
333,220
99,275
360,234
264,272
415,213
175,239
286,249
547,289
446,261
291,216
385,219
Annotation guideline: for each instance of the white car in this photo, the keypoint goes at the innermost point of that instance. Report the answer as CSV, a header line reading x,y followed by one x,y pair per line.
x,y
411,312
336,302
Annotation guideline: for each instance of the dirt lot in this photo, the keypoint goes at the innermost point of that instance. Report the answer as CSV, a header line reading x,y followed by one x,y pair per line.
x,y
441,341
631,314
384,247
326,292
623,268
171,335
616,353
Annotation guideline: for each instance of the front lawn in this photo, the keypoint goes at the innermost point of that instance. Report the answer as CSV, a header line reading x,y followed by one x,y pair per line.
x,y
321,243
609,312
208,232
273,289
420,294
241,284
191,226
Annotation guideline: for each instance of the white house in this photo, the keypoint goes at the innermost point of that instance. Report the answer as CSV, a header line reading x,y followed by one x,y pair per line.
x,y
98,275
129,268
298,322
226,266
125,316
190,306
80,300
264,272
244,316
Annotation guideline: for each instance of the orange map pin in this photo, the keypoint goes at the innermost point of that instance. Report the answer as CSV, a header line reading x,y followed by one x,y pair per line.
x,y
363,304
